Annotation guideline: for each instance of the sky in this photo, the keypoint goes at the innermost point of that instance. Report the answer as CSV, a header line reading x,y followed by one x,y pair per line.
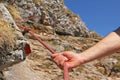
x,y
102,16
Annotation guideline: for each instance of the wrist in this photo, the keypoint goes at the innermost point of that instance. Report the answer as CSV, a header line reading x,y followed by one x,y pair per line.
x,y
82,58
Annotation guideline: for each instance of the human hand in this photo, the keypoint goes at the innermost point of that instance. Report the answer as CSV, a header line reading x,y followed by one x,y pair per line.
x,y
70,58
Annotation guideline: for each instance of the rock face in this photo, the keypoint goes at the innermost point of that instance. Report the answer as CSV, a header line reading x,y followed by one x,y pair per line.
x,y
11,40
52,13
62,30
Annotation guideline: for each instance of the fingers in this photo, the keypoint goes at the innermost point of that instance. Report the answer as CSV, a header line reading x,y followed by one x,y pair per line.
x,y
53,55
73,59
68,54
59,59
70,58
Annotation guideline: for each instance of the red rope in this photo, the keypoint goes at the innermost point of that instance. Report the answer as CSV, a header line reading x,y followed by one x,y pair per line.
x,y
65,73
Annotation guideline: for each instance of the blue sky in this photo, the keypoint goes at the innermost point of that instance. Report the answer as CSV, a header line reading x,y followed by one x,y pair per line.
x,y
102,16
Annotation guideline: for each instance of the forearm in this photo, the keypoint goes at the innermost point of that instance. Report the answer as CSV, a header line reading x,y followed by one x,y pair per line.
x,y
107,46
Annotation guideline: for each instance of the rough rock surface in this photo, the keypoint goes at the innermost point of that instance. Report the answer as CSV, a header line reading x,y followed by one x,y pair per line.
x,y
53,13
61,30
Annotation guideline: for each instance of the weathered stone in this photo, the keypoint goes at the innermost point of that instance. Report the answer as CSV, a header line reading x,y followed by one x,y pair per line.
x,y
49,15
11,40
55,14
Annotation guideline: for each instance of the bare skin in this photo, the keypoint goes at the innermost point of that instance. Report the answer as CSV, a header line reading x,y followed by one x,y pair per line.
x,y
108,45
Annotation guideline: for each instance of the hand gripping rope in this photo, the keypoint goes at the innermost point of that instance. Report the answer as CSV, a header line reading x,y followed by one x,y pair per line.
x,y
65,73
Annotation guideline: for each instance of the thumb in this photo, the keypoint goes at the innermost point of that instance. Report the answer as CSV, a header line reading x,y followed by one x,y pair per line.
x,y
67,54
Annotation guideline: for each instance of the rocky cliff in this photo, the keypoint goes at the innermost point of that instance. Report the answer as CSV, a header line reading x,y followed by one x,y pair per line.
x,y
52,13
62,30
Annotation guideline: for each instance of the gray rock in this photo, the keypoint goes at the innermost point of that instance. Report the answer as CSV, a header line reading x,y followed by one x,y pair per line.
x,y
55,14
12,41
